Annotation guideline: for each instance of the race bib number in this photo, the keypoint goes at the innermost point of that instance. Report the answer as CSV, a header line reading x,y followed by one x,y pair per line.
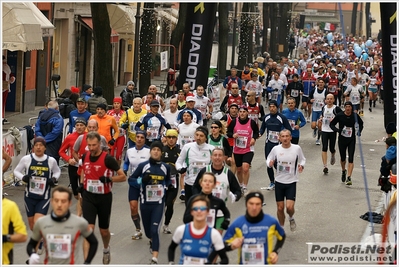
x,y
284,167
217,191
95,186
37,185
210,218
132,127
326,119
318,103
154,193
274,96
241,142
294,93
346,131
355,98
153,133
292,124
253,254
273,136
173,180
197,166
59,246
193,261
186,140
333,89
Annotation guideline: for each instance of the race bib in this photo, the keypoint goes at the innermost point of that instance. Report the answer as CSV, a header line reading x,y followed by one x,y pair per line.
x,y
284,167
333,89
95,186
326,119
274,96
37,185
253,254
197,166
59,246
273,136
217,191
122,132
193,261
210,218
186,140
355,98
153,133
294,93
346,131
292,124
318,103
154,193
241,142
132,127
173,180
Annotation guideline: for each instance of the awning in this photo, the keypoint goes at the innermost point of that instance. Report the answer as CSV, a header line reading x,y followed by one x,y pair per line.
x,y
21,30
168,16
47,26
122,20
89,23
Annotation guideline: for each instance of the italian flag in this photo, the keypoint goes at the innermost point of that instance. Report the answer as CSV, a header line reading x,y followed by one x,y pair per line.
x,y
329,27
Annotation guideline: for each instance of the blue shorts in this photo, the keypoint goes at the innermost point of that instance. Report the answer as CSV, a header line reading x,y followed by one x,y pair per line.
x,y
373,90
355,107
33,206
316,115
134,193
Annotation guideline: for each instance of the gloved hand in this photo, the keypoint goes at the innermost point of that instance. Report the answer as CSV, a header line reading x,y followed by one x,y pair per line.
x,y
26,178
51,182
105,180
276,90
5,238
146,178
233,197
125,125
225,224
80,188
34,259
182,170
111,142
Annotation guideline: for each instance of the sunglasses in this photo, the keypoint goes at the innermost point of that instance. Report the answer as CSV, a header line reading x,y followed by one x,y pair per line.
x,y
171,137
201,208
214,127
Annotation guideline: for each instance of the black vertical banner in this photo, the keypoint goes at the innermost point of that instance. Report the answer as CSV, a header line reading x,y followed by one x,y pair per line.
x,y
197,45
389,60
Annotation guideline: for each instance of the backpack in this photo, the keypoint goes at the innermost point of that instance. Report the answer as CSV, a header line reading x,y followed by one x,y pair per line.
x,y
65,107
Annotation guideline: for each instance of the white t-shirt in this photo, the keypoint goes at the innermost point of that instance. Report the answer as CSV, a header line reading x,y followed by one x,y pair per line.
x,y
186,133
170,117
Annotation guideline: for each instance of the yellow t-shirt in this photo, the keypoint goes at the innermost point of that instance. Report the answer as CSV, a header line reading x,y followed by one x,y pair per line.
x,y
132,118
11,219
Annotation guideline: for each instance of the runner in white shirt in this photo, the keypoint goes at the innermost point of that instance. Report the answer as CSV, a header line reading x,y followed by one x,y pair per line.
x,y
187,129
255,86
203,104
353,93
171,114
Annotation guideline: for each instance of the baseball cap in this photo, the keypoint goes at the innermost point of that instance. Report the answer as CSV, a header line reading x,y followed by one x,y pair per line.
x,y
171,132
244,107
362,68
339,65
233,105
154,103
81,120
334,70
102,105
81,99
190,98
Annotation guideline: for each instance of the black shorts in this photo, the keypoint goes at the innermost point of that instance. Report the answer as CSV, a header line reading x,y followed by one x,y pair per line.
x,y
241,158
133,193
305,99
285,191
97,204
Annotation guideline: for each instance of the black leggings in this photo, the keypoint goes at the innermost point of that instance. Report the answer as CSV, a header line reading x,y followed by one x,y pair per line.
x,y
73,178
344,144
328,139
171,195
188,189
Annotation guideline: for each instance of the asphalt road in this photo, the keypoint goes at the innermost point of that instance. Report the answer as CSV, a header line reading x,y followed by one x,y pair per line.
x,y
326,209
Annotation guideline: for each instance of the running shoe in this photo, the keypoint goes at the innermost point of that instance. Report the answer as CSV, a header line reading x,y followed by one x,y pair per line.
x,y
138,235
150,244
154,261
370,109
182,195
374,103
314,133
325,170
107,256
343,176
308,119
40,248
244,191
292,225
318,142
348,181
271,186
332,161
166,229
361,113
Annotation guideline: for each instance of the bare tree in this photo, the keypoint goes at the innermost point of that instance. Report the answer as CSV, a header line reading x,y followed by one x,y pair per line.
x,y
354,18
147,33
102,50
223,10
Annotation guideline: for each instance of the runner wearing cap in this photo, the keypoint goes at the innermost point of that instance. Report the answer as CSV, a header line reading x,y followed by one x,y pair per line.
x,y
272,124
193,157
80,112
153,178
245,131
131,117
290,161
170,154
349,128
153,123
117,112
40,172
66,153
107,126
190,103
253,232
135,155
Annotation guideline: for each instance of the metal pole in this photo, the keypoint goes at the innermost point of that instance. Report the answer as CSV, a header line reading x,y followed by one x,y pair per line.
x,y
233,50
136,44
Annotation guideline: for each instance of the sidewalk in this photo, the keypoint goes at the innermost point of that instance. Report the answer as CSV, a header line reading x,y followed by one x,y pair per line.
x,y
20,120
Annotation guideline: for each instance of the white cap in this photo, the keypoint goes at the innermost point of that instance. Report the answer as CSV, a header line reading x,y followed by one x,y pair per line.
x,y
315,66
190,98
